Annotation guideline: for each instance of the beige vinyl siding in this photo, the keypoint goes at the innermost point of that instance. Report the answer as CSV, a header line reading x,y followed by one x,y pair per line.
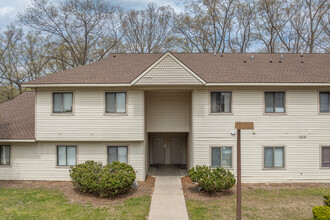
x,y
168,72
37,161
89,121
302,156
168,111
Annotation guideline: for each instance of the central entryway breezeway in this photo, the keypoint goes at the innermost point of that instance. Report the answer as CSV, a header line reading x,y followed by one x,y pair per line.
x,y
168,148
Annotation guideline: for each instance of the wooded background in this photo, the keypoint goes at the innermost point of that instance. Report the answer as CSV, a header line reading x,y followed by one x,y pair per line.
x,y
54,36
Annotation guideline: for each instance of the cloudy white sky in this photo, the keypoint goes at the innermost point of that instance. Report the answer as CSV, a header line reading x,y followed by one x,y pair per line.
x,y
10,8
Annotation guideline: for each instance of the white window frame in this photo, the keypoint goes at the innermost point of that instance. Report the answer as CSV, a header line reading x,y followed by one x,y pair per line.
x,y
274,168
116,146
319,102
105,103
10,155
215,146
285,101
321,156
66,159
231,102
62,113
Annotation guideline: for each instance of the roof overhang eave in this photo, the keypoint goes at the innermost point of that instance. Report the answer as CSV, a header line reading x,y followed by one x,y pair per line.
x,y
17,140
73,85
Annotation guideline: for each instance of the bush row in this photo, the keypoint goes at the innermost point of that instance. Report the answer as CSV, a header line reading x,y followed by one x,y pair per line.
x,y
104,181
212,180
322,212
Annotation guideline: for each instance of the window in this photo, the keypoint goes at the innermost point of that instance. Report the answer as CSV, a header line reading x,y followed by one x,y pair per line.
x,y
326,156
274,102
115,102
117,154
220,102
221,157
66,155
324,102
5,155
273,157
62,102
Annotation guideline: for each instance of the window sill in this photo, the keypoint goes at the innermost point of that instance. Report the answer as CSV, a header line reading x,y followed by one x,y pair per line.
x,y
275,168
63,167
115,114
275,113
221,113
324,113
324,168
62,114
5,166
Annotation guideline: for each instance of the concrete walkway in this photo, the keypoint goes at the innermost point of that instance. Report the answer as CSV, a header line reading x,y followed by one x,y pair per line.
x,y
167,200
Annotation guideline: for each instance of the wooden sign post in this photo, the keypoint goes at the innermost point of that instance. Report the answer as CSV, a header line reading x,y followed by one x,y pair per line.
x,y
240,126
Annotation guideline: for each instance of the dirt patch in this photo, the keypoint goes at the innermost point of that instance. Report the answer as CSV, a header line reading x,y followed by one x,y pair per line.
x,y
144,188
191,190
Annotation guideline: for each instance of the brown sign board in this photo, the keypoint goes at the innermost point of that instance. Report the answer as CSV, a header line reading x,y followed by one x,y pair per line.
x,y
244,125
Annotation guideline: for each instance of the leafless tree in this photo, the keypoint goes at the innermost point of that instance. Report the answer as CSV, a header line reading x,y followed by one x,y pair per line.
x,y
76,26
149,30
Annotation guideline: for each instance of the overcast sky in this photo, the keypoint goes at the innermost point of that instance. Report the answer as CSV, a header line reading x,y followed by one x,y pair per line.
x,y
10,8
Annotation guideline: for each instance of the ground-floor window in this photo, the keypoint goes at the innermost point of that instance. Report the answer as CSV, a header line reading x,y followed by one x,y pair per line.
x,y
221,157
66,155
326,156
273,157
4,155
117,153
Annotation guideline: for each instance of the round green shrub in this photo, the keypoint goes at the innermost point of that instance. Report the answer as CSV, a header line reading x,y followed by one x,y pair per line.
x,y
326,200
321,213
116,178
104,181
85,176
212,180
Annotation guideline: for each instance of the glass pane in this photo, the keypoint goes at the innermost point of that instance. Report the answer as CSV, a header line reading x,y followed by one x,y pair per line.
x,y
226,157
325,156
279,101
122,154
215,102
57,102
216,155
71,151
324,102
121,102
279,157
67,102
61,155
269,101
110,103
226,101
5,155
112,151
269,157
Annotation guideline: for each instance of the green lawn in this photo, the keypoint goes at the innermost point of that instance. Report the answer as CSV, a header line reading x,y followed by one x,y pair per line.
x,y
51,204
261,204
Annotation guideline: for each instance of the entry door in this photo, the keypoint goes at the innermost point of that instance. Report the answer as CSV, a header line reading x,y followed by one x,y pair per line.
x,y
177,147
159,150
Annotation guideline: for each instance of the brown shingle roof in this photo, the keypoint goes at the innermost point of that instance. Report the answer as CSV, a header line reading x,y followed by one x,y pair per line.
x,y
222,68
17,118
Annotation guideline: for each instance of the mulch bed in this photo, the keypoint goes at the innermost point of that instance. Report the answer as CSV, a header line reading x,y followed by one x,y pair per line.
x,y
144,188
191,190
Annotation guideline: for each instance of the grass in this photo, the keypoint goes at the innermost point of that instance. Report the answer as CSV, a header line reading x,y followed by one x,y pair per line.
x,y
51,204
261,204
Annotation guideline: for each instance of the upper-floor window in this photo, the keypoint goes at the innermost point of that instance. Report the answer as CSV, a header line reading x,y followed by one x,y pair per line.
x,y
4,155
221,157
325,157
62,102
66,155
117,153
324,101
221,102
273,157
115,102
274,102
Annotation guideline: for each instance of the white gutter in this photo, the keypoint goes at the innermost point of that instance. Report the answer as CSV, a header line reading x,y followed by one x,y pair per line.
x,y
73,85
268,84
207,84
19,140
